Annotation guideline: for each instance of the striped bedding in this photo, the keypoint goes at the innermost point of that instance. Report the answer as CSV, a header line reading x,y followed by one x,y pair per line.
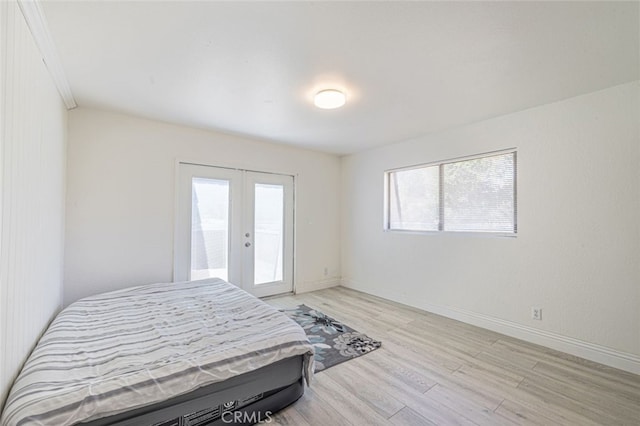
x,y
118,351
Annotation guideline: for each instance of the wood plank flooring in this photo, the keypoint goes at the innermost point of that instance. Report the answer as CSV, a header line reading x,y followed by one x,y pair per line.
x,y
433,370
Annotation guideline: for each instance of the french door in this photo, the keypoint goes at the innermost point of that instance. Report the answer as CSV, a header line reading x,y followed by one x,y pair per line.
x,y
236,225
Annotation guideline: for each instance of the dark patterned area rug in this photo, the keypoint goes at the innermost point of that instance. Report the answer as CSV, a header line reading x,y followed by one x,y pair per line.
x,y
334,342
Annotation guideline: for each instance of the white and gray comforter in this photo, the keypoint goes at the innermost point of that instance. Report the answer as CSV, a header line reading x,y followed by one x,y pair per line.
x,y
118,351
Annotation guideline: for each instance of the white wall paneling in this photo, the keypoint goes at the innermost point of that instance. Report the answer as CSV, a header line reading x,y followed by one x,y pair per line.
x,y
577,252
32,168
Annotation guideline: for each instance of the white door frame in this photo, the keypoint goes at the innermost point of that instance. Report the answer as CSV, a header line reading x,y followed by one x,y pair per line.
x,y
251,178
238,266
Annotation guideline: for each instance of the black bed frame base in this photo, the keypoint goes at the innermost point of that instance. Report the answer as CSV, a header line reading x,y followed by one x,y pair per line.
x,y
242,400
263,409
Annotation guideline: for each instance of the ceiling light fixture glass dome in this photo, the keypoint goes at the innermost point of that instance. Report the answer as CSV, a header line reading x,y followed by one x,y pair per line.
x,y
329,99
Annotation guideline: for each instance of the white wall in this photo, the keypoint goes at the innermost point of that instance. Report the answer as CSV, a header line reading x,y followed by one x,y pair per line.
x,y
32,166
120,199
577,253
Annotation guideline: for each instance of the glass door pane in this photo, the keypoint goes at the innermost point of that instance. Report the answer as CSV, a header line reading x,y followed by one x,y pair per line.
x,y
236,225
209,228
269,233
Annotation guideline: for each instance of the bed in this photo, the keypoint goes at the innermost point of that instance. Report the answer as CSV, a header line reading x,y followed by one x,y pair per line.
x,y
190,353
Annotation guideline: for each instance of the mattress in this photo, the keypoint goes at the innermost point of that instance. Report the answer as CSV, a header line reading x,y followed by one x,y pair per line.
x,y
119,351
265,391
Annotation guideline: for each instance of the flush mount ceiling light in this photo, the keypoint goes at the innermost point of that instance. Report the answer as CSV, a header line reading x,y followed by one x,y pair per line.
x,y
329,99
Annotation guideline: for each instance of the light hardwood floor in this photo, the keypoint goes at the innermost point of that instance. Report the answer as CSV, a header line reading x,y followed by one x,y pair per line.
x,y
434,370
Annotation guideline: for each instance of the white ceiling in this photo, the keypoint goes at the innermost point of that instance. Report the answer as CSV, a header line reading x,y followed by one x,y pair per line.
x,y
409,68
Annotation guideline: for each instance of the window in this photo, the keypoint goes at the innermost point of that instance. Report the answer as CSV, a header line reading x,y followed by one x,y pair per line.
x,y
475,194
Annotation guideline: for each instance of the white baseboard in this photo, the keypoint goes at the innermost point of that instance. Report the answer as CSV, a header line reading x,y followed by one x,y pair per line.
x,y
307,286
591,351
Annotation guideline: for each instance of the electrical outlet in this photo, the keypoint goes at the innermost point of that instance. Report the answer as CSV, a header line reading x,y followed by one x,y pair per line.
x,y
536,313
326,271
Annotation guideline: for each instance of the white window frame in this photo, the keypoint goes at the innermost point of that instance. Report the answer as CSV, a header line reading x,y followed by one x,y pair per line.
x,y
387,196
